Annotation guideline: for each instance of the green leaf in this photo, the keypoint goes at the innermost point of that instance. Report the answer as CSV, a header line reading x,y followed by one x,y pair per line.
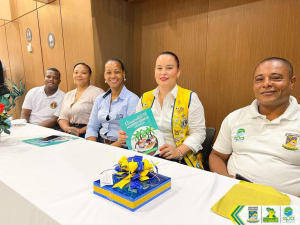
x,y
6,131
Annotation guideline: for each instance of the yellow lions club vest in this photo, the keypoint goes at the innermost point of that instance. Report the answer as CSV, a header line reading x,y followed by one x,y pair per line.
x,y
179,122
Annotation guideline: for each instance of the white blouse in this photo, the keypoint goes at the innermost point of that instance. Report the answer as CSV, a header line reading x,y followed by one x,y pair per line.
x,y
163,117
81,110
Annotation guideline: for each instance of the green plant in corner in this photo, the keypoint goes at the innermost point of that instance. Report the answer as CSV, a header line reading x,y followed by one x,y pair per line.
x,y
4,121
8,102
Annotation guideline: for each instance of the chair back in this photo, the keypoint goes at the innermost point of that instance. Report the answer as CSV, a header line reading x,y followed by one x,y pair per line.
x,y
207,146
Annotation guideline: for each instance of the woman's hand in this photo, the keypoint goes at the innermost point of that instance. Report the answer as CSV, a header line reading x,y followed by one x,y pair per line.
x,y
168,152
122,137
73,130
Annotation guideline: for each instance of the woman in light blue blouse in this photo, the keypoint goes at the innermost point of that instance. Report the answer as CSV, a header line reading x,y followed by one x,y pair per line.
x,y
117,103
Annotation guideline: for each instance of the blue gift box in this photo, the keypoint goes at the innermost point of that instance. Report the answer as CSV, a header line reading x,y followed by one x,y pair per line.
x,y
135,198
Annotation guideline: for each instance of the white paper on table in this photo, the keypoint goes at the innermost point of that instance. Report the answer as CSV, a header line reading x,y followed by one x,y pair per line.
x,y
106,178
18,122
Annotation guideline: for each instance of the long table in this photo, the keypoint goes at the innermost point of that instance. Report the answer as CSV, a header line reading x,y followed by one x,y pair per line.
x,y
54,185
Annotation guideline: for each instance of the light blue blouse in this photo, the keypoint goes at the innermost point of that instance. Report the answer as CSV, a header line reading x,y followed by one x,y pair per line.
x,y
107,117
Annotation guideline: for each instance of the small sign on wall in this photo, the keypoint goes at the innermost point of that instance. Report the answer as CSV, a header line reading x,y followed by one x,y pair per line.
x,y
28,35
51,40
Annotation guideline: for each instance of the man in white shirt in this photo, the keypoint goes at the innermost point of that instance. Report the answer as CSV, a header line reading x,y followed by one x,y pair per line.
x,y
42,105
260,141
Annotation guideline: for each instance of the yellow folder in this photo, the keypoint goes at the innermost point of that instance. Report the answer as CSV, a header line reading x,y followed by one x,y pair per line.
x,y
245,193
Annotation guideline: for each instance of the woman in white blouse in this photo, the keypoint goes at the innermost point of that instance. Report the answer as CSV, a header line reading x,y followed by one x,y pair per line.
x,y
78,103
178,112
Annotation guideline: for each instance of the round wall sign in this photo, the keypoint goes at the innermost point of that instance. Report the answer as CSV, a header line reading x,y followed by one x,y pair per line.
x,y
28,35
51,40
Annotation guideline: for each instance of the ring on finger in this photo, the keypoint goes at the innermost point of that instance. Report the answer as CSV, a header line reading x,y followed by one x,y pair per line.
x,y
169,153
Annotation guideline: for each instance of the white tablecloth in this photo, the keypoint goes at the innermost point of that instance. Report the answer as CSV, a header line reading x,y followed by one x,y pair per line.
x,y
54,185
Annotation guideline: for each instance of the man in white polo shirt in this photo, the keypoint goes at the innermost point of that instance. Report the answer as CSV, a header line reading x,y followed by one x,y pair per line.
x,y
42,105
261,141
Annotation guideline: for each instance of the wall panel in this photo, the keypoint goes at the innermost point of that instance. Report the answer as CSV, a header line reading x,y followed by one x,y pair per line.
x,y
16,60
78,36
33,63
40,4
177,26
25,6
2,22
286,33
14,9
5,12
113,36
50,22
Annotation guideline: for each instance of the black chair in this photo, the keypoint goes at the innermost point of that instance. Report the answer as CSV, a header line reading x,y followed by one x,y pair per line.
x,y
207,146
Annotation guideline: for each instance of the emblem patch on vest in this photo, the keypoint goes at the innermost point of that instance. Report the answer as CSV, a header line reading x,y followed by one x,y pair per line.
x,y
177,139
53,105
184,123
291,141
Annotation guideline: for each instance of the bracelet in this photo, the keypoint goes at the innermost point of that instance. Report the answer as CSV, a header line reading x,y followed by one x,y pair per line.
x,y
179,151
180,155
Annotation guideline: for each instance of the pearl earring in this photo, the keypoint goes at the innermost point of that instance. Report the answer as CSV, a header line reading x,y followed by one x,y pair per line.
x,y
124,79
105,81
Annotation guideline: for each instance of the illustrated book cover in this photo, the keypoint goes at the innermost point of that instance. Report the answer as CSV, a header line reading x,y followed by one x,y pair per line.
x,y
142,131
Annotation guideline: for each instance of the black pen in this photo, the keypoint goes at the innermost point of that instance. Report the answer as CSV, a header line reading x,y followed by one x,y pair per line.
x,y
240,177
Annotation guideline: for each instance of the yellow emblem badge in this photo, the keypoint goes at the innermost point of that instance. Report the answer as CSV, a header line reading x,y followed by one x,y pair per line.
x,y
53,105
291,142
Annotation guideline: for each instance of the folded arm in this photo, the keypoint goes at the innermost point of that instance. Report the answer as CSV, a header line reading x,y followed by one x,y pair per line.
x,y
49,123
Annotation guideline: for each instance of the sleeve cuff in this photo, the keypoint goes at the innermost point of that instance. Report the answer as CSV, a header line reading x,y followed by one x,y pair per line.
x,y
221,149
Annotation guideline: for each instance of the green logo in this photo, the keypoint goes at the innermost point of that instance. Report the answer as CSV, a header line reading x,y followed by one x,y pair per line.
x,y
240,135
288,211
288,215
271,218
241,131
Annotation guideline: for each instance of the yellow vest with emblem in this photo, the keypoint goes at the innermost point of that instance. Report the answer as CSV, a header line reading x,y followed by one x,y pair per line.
x,y
179,122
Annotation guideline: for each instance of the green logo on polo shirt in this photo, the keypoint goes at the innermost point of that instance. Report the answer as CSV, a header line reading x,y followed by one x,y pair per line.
x,y
240,135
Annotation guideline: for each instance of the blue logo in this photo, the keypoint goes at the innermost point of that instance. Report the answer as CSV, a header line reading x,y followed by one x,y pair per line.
x,y
288,211
289,217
